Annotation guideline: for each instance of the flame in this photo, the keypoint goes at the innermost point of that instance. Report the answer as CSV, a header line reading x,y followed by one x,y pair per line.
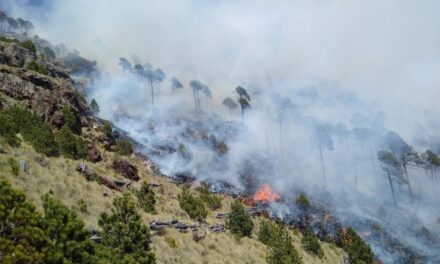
x,y
265,195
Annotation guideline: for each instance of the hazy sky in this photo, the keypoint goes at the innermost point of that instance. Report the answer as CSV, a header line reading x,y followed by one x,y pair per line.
x,y
387,51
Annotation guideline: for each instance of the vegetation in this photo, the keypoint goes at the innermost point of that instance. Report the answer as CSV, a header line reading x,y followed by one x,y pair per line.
x,y
32,128
71,145
193,206
358,251
57,236
146,198
124,231
302,201
9,40
108,128
211,201
48,53
82,206
238,221
124,147
94,105
29,45
311,243
35,66
281,249
15,169
69,119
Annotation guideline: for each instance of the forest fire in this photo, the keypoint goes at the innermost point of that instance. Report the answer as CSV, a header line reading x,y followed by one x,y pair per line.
x,y
265,195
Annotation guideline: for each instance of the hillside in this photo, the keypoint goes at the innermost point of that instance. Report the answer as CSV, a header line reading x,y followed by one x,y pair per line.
x,y
42,84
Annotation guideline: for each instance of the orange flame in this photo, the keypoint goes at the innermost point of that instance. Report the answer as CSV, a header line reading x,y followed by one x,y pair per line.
x,y
265,195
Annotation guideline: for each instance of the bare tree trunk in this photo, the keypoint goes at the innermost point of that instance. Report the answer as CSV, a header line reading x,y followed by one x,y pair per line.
x,y
195,100
321,157
152,93
281,139
409,184
392,188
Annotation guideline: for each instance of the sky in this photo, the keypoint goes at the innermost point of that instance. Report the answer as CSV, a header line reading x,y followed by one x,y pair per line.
x,y
385,51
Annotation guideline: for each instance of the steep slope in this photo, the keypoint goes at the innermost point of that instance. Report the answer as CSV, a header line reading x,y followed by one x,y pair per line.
x,y
43,85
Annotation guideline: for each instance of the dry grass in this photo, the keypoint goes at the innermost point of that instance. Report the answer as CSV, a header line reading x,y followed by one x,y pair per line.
x,y
170,246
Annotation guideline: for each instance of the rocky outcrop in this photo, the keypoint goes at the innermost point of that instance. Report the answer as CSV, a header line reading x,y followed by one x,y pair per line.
x,y
93,155
14,55
43,94
126,169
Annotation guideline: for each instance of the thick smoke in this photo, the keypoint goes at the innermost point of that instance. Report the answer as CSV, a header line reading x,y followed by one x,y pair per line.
x,y
328,81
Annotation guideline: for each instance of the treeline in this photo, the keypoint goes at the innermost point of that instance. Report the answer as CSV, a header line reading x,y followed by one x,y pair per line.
x,y
154,77
12,25
58,236
67,141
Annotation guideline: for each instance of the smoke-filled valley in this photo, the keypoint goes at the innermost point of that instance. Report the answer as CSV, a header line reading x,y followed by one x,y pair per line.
x,y
334,100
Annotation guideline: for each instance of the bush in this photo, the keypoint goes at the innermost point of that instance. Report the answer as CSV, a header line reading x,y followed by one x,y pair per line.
x,y
35,66
71,145
15,168
57,236
238,221
311,243
358,251
29,45
302,201
94,105
8,130
9,40
211,201
82,206
48,52
70,119
193,206
281,249
124,147
108,130
266,232
146,198
124,231
31,127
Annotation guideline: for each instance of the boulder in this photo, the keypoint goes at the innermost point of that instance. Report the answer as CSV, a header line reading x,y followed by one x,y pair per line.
x,y
126,169
23,165
94,155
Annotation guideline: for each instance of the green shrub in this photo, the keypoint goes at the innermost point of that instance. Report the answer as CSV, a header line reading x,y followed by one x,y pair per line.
x,y
22,236
193,206
266,232
238,221
69,119
56,236
9,40
303,201
31,127
48,52
82,205
71,145
108,130
124,231
29,45
311,243
358,251
124,147
8,130
94,105
15,168
211,201
281,249
35,66
146,198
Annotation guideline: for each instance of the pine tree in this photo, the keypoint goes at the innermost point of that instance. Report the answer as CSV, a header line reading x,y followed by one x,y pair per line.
x,y
124,231
239,222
